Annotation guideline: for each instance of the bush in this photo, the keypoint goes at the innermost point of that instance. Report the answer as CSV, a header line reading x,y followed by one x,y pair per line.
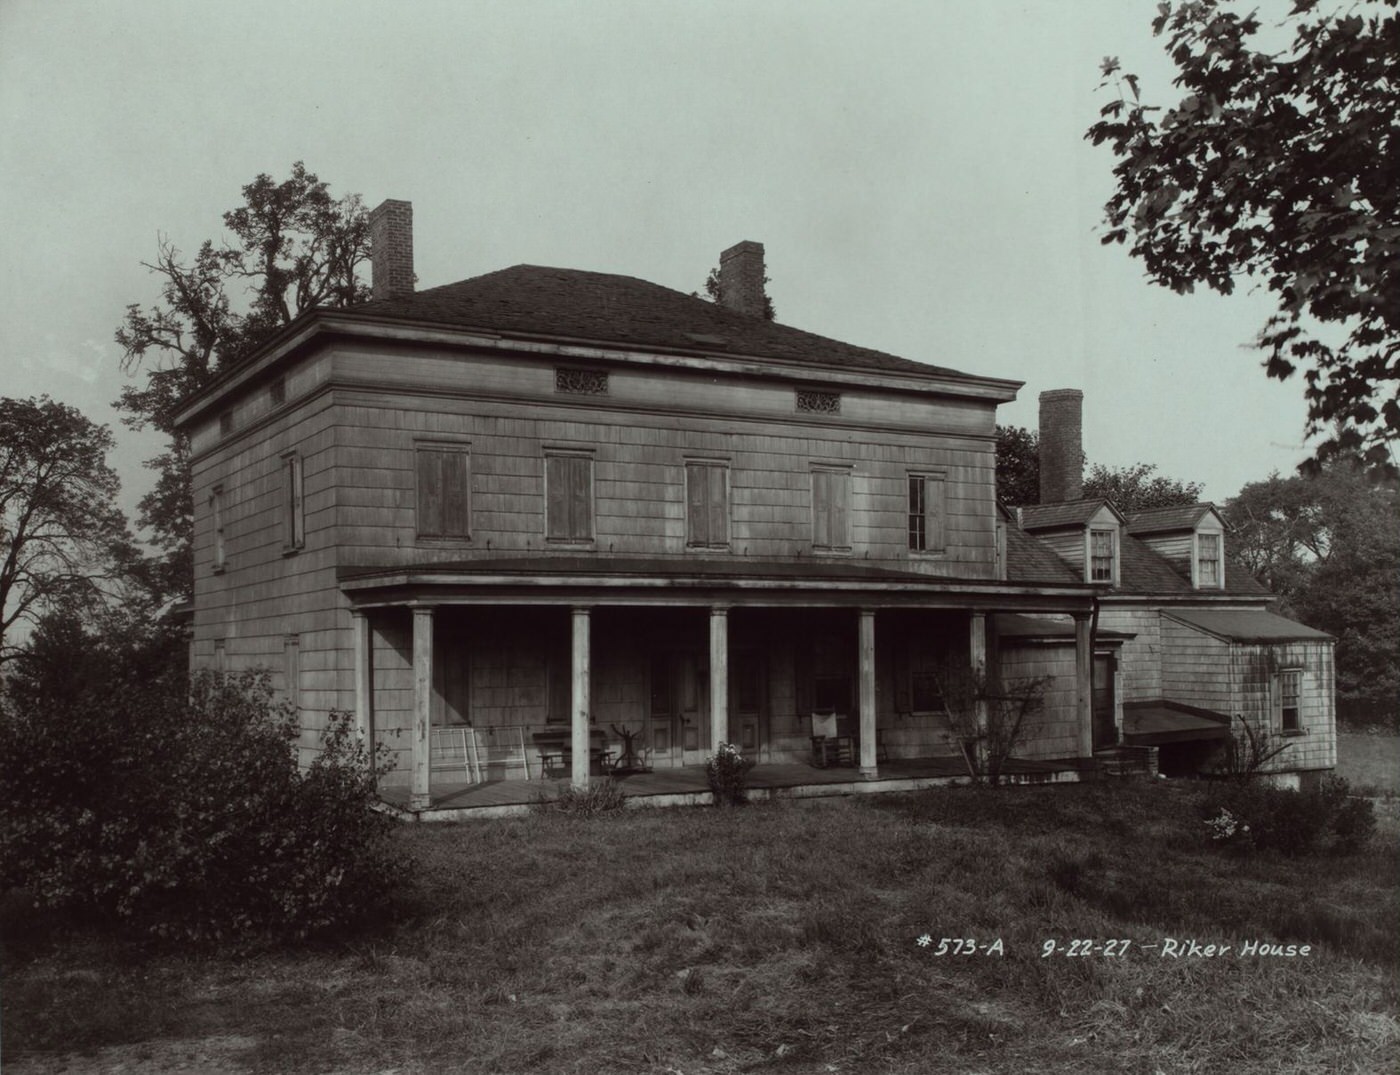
x,y
179,810
597,800
1262,818
727,771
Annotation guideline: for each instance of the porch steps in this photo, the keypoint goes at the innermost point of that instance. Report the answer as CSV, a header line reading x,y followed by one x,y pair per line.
x,y
1126,761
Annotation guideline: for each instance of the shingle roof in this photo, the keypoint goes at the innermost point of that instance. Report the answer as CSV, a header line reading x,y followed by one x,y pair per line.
x,y
1063,513
1249,625
572,303
1027,560
1179,517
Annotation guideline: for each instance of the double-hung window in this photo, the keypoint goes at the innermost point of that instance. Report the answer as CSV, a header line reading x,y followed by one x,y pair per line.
x,y
293,504
1208,561
831,509
707,505
927,513
1101,555
444,491
1290,690
568,486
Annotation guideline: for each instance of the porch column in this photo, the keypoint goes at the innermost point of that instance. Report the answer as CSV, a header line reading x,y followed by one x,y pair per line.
x,y
719,676
579,693
1084,684
869,767
364,683
420,796
977,660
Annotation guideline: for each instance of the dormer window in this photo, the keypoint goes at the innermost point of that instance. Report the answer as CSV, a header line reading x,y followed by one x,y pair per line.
x,y
1101,565
1208,567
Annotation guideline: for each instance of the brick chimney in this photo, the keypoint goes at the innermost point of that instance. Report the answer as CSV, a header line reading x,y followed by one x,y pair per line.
x,y
741,278
1061,445
391,249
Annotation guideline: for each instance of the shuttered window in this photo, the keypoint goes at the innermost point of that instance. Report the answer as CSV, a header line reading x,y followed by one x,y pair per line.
x,y
216,508
928,510
568,486
707,505
291,669
831,509
444,492
293,505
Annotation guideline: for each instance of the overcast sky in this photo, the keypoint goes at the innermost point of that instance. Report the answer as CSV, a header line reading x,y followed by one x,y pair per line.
x,y
917,172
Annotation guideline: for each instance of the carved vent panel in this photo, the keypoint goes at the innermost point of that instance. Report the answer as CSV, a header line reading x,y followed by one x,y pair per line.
x,y
581,382
819,402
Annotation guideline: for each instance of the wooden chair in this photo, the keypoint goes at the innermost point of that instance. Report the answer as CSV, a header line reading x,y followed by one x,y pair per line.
x,y
829,746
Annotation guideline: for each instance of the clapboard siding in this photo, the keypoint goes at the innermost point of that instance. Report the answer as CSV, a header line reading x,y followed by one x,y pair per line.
x,y
1256,667
639,484
1196,668
1053,732
1140,658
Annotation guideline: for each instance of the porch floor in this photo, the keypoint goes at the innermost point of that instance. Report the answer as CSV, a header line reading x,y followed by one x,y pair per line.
x,y
456,798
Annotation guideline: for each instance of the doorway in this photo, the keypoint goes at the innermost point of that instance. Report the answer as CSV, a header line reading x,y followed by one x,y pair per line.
x,y
678,717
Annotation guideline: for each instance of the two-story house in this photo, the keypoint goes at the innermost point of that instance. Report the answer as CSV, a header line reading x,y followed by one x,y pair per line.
x,y
554,499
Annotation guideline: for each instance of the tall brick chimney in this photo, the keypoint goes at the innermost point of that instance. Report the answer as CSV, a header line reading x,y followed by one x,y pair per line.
x,y
1061,445
391,249
741,278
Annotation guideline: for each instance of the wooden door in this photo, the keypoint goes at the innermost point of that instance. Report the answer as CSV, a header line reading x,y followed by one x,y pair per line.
x,y
1105,726
678,724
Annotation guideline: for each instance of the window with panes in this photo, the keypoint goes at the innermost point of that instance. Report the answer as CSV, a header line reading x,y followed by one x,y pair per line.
x,y
927,512
1101,556
1207,560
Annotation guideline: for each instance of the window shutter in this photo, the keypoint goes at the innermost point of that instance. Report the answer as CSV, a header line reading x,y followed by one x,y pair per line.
x,y
936,513
719,507
296,520
456,493
840,509
556,482
580,502
697,518
903,699
429,493
1275,702
821,508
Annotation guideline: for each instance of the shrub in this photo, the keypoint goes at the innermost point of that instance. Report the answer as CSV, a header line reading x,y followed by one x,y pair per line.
x,y
597,800
727,771
180,811
1263,818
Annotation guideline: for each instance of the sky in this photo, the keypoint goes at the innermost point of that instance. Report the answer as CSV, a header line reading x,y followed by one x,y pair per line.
x,y
916,171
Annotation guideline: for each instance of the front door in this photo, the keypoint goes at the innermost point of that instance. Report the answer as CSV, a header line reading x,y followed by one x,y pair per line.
x,y
678,731
1105,726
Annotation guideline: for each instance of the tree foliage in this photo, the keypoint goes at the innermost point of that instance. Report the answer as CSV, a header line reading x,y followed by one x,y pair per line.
x,y
293,246
1018,466
712,293
1139,488
1280,165
1329,546
62,538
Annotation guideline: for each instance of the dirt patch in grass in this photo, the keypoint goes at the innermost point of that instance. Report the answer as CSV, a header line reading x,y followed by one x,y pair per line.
x,y
783,936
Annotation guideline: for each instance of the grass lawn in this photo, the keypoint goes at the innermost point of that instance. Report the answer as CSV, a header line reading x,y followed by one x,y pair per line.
x,y
1370,762
781,937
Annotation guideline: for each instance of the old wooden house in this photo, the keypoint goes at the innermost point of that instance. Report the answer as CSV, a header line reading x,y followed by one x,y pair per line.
x,y
526,515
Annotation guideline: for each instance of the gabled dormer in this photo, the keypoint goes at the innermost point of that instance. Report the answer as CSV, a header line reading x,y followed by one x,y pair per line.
x,y
1086,534
1190,537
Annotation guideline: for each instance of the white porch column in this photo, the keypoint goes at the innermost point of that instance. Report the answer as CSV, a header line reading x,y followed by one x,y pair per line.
x,y
977,659
719,676
1084,684
869,767
420,796
364,683
579,694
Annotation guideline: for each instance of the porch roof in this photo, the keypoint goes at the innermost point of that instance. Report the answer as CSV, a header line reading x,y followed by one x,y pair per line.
x,y
621,580
1163,721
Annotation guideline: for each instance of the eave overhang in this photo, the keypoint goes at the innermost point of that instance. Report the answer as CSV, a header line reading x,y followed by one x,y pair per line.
x,y
318,326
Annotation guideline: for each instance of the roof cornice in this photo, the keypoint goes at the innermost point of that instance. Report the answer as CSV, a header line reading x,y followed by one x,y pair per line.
x,y
331,323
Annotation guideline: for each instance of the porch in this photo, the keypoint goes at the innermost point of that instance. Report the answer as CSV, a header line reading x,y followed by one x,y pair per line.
x,y
457,800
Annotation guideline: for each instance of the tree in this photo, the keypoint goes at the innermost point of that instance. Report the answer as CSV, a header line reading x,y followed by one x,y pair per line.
x,y
1280,165
294,247
712,293
1018,466
1139,488
62,537
1329,545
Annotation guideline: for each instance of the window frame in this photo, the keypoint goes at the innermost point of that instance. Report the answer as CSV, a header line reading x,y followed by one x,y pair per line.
x,y
423,449
839,543
1285,677
291,669
217,524
293,503
584,457
932,518
707,541
1089,557
1197,560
